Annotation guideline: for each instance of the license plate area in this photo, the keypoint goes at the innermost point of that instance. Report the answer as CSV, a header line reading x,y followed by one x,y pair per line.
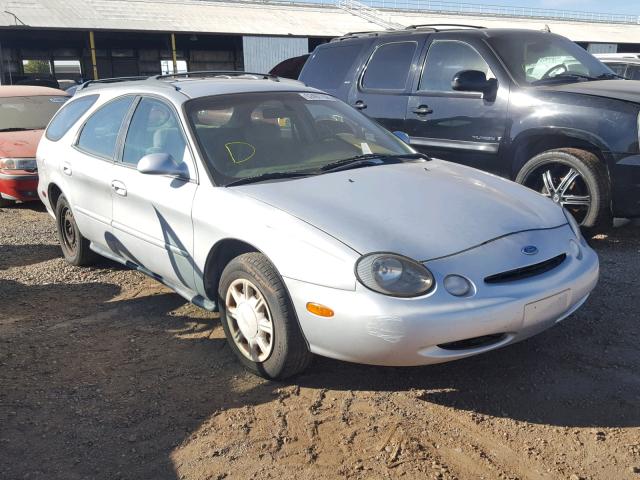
x,y
547,309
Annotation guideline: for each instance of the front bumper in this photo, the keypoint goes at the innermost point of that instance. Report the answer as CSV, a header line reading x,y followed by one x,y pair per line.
x,y
375,329
21,187
625,184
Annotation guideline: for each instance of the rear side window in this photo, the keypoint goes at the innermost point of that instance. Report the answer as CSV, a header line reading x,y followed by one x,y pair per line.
x,y
328,67
445,59
100,133
389,66
67,116
618,68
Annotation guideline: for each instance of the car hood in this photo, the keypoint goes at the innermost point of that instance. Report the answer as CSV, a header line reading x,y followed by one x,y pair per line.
x,y
423,210
626,90
19,144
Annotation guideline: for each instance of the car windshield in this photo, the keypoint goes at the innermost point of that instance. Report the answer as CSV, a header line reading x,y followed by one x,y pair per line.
x,y
28,113
537,58
262,134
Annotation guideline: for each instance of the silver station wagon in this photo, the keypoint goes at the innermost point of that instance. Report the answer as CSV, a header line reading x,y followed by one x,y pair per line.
x,y
308,226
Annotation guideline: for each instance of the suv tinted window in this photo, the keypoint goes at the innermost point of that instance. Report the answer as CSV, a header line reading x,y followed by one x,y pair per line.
x,y
154,128
100,133
67,116
329,66
388,68
445,59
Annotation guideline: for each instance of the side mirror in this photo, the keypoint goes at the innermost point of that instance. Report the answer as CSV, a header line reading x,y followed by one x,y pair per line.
x,y
473,81
162,164
403,136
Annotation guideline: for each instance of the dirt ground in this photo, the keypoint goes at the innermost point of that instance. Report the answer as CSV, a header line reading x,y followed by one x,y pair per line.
x,y
106,374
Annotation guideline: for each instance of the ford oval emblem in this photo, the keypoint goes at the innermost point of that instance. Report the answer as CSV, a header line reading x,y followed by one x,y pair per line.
x,y
530,250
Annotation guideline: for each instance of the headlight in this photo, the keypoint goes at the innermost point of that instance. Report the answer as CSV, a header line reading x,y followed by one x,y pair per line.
x,y
573,223
18,164
394,275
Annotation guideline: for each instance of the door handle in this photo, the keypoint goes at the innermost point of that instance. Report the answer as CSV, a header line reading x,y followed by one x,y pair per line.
x,y
422,110
66,169
119,187
360,105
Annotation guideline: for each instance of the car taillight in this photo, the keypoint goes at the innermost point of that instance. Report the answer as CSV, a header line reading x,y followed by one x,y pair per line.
x,y
18,164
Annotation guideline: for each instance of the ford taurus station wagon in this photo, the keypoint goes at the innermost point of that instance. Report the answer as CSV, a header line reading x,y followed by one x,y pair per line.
x,y
309,227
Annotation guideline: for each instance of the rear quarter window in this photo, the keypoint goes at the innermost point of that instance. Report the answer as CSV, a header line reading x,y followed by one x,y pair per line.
x,y
328,67
68,116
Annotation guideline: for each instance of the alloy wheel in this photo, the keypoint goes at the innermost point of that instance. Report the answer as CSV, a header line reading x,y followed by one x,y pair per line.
x,y
564,185
249,320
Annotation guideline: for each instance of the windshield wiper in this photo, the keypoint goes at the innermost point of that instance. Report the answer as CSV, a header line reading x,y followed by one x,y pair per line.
x,y
16,129
267,176
370,159
609,76
565,76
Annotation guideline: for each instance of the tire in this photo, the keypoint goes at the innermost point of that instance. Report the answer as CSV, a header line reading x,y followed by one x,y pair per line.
x,y
281,354
5,203
75,247
591,180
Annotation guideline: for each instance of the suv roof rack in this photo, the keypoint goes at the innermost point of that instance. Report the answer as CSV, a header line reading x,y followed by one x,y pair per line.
x,y
110,80
435,26
215,73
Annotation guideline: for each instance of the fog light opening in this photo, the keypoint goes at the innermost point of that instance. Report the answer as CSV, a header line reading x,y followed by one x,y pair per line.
x,y
320,310
458,286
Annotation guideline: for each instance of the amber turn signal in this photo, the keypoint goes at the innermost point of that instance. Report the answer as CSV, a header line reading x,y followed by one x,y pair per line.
x,y
319,310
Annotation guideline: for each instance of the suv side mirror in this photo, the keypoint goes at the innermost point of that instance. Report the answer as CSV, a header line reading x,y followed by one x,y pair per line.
x,y
162,164
473,81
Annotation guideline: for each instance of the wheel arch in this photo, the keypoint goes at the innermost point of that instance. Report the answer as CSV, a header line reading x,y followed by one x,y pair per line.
x,y
53,193
220,254
529,144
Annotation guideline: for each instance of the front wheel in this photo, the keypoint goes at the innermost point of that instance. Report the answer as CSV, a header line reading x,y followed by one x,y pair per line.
x,y
575,179
259,320
75,247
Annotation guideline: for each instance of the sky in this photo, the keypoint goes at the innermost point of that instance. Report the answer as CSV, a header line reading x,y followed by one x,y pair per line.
x,y
628,7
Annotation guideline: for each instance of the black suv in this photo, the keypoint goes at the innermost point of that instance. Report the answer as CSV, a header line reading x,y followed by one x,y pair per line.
x,y
527,105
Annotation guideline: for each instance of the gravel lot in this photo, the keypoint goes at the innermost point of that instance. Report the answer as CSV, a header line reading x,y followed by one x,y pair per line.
x,y
106,374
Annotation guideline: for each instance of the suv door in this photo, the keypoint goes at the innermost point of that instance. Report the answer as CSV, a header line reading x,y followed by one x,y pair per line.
x,y
88,169
383,85
463,127
152,224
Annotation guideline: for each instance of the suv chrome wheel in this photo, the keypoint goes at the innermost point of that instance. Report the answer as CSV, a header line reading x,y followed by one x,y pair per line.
x,y
564,185
249,320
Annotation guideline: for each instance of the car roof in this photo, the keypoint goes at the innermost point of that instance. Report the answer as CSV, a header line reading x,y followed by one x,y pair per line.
x,y
463,30
29,91
197,87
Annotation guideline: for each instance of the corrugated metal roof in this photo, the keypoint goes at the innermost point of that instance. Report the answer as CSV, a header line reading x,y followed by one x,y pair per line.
x,y
260,19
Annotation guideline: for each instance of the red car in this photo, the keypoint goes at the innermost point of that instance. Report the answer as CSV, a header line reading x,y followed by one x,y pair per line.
x,y
25,111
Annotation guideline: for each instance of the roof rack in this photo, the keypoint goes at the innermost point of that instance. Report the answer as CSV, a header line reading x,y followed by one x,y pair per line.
x,y
434,26
215,73
110,80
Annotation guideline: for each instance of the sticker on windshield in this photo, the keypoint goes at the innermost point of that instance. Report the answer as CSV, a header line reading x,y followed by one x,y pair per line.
x,y
366,150
58,99
316,96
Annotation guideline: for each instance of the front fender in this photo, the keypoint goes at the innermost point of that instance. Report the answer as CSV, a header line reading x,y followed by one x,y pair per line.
x,y
299,250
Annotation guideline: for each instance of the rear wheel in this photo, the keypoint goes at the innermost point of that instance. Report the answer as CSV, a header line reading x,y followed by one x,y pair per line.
x,y
75,247
259,320
575,179
4,202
